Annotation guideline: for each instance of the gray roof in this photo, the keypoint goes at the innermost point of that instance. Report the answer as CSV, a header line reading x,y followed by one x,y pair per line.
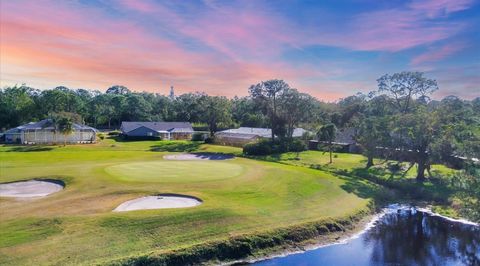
x,y
244,132
158,126
249,131
46,124
236,135
298,132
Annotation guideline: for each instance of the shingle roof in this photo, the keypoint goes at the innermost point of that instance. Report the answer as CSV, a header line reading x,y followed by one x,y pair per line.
x,y
243,132
252,131
158,126
45,124
12,130
298,132
236,135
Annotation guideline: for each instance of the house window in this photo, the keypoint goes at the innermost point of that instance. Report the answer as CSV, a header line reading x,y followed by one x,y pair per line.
x,y
149,134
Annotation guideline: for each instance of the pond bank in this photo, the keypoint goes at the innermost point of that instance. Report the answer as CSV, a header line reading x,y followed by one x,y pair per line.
x,y
246,249
252,247
400,234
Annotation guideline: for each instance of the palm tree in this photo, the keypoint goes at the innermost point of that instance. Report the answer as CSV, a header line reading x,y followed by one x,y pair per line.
x,y
65,126
327,133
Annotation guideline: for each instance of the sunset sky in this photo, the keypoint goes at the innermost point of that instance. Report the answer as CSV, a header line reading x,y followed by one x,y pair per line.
x,y
330,49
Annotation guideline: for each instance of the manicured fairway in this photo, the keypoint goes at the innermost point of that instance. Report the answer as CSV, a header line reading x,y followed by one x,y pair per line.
x,y
77,225
175,171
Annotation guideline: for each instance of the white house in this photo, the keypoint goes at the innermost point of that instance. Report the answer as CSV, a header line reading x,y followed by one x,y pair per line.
x,y
44,132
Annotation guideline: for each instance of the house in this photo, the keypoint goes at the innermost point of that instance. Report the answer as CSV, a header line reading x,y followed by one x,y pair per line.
x,y
238,137
161,130
44,132
344,140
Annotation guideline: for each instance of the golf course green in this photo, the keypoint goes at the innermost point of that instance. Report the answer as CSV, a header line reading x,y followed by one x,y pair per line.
x,y
175,171
240,197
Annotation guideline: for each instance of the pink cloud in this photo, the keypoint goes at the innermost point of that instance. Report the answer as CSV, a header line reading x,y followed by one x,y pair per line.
x,y
437,53
436,8
391,30
449,77
250,31
49,52
239,33
143,6
254,30
261,31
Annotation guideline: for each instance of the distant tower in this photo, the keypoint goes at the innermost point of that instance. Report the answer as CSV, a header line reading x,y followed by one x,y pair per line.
x,y
172,93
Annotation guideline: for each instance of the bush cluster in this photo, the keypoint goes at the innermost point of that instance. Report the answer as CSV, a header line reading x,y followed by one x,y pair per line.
x,y
266,147
114,133
198,136
209,140
297,145
258,148
138,138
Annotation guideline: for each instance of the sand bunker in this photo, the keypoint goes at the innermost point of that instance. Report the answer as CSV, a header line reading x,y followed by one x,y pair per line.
x,y
28,189
165,201
198,156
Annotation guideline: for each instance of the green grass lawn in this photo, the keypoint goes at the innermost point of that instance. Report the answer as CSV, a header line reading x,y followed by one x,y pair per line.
x,y
437,191
345,161
77,225
350,162
175,171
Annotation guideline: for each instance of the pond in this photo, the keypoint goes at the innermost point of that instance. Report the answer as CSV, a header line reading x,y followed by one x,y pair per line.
x,y
401,236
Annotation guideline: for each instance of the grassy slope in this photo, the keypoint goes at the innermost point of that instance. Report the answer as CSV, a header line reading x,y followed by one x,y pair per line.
x,y
347,162
77,225
437,191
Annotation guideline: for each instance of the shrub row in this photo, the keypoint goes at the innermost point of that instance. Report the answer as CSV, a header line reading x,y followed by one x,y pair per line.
x,y
114,133
266,147
135,138
197,136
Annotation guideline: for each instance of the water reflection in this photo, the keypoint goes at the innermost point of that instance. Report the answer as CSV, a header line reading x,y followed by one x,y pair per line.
x,y
403,236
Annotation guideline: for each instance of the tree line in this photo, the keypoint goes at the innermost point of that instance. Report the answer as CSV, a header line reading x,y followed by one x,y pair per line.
x,y
22,104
